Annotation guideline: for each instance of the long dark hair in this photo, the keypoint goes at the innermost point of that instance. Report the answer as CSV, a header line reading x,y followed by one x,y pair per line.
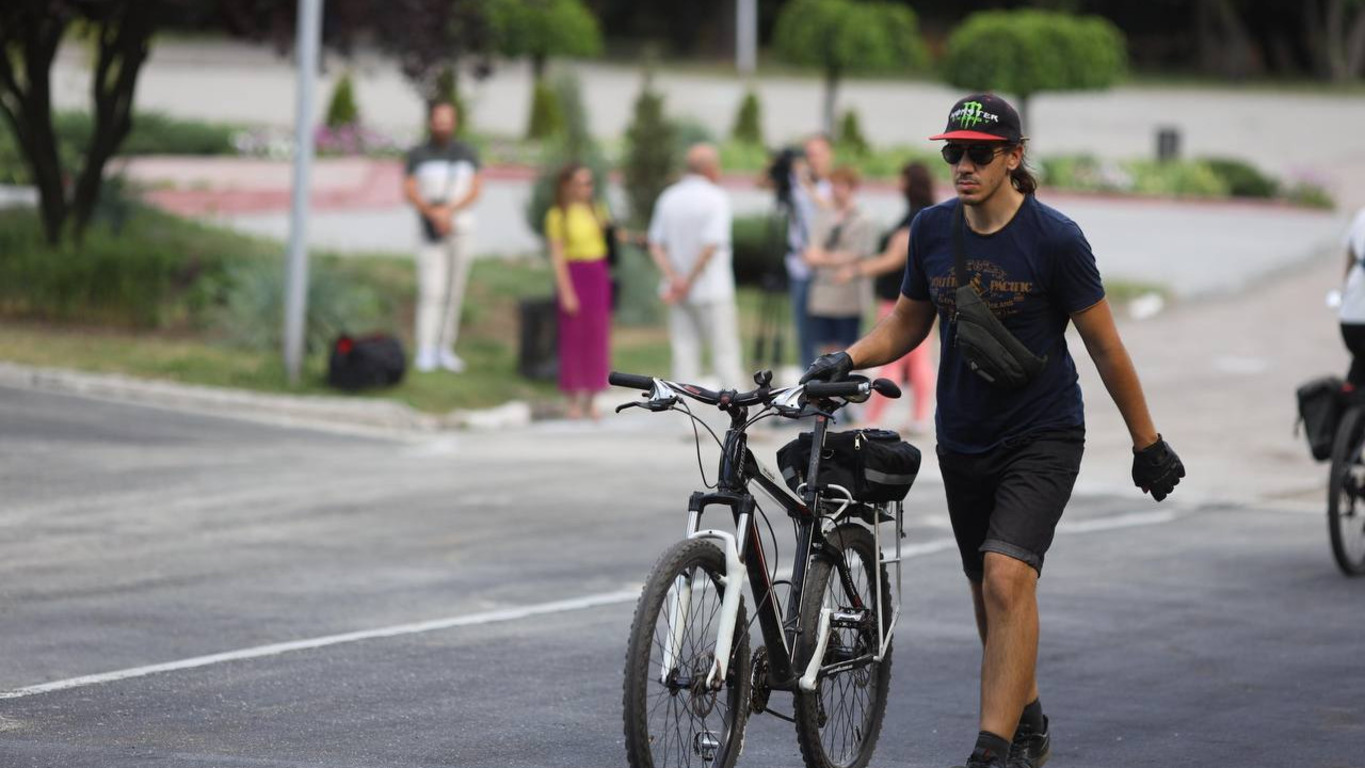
x,y
1022,178
919,185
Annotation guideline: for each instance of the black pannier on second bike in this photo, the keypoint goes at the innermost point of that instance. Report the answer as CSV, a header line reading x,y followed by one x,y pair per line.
x,y
873,464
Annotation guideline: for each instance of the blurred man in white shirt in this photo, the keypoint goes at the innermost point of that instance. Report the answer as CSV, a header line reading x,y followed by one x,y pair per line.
x,y
689,239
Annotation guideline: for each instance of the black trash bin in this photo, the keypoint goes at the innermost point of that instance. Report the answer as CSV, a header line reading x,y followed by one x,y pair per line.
x,y
538,357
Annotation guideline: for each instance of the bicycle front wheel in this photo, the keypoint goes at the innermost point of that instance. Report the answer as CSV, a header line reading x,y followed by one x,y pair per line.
x,y
673,715
837,725
1345,505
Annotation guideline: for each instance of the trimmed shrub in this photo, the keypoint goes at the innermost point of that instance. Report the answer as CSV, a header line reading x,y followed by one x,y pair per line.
x,y
686,132
651,155
748,128
1176,179
1242,178
547,119
342,109
850,136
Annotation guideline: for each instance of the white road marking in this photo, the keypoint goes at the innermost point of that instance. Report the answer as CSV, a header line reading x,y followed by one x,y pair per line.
x,y
275,649
511,614
1115,522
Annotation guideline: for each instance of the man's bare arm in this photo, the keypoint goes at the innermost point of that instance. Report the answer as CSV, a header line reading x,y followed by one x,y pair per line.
x,y
1101,337
901,331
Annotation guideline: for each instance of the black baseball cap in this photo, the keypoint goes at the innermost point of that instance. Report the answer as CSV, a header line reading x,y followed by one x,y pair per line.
x,y
982,117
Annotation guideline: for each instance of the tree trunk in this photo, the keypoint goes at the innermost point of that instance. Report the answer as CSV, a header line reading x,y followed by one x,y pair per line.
x,y
123,48
28,110
831,95
1334,34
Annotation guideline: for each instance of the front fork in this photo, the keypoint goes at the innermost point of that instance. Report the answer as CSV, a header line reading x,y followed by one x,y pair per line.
x,y
679,611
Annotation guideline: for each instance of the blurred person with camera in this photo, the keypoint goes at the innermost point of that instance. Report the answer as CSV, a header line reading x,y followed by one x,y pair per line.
x,y
442,181
1005,275
800,179
916,367
843,238
689,240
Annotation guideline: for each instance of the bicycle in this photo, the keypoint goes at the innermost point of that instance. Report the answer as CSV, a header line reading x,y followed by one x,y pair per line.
x,y
690,680
1346,491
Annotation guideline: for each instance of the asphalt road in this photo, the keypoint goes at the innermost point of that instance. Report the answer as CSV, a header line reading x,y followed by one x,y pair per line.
x,y
133,536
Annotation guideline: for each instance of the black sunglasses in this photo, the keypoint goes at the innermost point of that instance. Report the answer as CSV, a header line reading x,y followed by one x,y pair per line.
x,y
979,154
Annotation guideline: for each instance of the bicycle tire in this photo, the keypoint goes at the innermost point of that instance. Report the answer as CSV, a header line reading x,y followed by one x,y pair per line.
x,y
1345,506
836,740
666,719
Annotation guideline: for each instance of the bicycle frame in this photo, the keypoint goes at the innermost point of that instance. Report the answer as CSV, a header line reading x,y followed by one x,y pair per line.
x,y
746,560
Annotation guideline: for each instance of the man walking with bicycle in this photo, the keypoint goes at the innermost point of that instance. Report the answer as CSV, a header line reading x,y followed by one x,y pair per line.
x,y
1006,274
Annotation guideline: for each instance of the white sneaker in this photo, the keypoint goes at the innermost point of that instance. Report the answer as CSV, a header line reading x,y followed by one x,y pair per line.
x,y
451,361
425,362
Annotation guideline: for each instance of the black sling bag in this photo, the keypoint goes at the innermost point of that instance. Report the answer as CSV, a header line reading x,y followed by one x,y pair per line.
x,y
991,351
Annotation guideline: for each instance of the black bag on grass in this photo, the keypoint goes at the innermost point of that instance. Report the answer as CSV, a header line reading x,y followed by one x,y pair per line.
x,y
365,362
1320,403
873,464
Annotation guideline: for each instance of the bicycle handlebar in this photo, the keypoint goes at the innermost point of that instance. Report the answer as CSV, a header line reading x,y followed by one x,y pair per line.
x,y
630,380
836,388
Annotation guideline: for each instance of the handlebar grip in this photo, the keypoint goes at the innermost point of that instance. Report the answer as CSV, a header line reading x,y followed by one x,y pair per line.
x,y
631,380
836,388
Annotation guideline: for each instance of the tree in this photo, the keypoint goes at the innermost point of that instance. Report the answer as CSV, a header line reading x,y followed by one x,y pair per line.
x,y
845,37
540,29
30,33
748,128
1336,36
342,109
650,153
1025,52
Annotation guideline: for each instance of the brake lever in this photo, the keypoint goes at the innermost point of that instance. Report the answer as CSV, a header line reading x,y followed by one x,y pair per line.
x,y
624,406
656,406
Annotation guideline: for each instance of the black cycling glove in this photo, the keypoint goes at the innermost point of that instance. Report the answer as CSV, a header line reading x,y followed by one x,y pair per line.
x,y
1156,469
832,367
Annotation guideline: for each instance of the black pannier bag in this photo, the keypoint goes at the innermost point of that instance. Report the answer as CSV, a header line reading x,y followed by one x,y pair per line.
x,y
873,464
1319,409
365,362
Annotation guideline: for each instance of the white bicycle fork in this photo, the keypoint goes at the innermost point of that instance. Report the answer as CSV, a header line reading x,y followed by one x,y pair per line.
x,y
679,611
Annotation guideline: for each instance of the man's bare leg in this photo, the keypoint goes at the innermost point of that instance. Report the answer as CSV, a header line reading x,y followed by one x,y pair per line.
x,y
1006,603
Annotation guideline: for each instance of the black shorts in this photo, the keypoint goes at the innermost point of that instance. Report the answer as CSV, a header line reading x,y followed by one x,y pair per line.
x,y
1009,499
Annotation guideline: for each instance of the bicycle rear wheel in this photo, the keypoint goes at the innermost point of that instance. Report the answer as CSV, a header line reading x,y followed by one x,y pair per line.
x,y
837,725
672,717
1345,505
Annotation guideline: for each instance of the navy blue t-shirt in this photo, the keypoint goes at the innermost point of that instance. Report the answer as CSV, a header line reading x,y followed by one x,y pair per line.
x,y
1034,272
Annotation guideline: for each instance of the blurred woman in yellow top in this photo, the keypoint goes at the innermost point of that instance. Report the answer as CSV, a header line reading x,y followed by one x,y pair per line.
x,y
576,230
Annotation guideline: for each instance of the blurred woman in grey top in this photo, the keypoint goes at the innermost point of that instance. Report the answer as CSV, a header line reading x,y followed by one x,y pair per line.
x,y
442,182
842,236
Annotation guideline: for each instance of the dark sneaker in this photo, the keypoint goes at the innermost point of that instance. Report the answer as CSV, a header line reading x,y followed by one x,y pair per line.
x,y
976,762
1030,749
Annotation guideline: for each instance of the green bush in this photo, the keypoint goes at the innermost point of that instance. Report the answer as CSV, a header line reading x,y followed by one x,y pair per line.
x,y
342,109
158,272
1242,178
688,131
748,128
152,133
850,137
1192,179
1311,195
252,310
1083,172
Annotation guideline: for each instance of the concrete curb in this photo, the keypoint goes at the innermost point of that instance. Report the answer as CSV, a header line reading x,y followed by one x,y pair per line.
x,y
321,410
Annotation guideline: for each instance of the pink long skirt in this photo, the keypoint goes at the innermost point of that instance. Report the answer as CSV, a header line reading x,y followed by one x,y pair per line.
x,y
585,338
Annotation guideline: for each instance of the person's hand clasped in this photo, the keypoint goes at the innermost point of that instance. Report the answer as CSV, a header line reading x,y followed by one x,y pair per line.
x,y
832,367
1156,469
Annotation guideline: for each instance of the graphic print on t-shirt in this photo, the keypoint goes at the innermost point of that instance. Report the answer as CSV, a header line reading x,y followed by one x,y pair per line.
x,y
1003,293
